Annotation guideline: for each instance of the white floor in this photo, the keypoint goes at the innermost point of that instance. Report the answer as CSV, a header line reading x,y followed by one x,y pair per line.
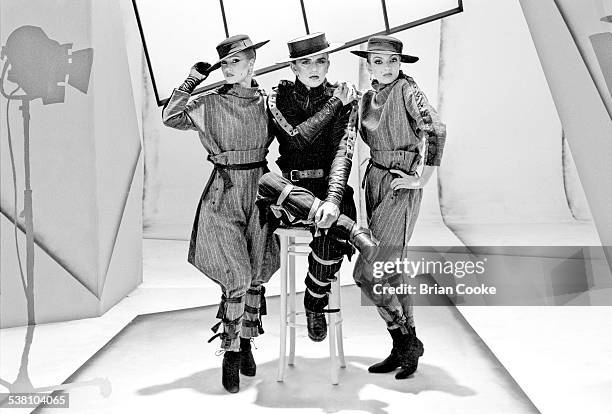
x,y
161,363
561,357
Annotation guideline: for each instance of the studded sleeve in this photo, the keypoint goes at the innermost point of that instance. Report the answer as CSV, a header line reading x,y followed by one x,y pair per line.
x,y
306,132
427,122
344,136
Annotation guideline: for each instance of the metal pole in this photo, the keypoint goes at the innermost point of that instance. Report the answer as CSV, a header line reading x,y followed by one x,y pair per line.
x,y
29,218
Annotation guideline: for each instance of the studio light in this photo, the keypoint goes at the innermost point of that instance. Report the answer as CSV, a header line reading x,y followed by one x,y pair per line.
x,y
41,66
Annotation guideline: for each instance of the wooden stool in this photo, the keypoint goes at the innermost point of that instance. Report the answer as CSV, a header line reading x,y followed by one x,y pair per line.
x,y
289,249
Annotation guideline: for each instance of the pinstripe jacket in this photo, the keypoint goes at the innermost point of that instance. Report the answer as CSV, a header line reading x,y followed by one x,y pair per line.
x,y
395,119
232,125
229,119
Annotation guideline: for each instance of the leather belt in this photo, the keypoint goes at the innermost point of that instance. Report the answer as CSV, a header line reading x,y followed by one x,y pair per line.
x,y
297,175
372,163
221,169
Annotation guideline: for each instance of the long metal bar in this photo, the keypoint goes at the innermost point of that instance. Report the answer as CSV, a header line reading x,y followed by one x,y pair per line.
x,y
347,45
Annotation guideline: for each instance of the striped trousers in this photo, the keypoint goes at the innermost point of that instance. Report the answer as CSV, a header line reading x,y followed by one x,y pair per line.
x,y
295,204
392,216
231,247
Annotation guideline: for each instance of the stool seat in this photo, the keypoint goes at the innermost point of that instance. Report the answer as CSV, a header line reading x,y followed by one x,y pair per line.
x,y
289,249
297,231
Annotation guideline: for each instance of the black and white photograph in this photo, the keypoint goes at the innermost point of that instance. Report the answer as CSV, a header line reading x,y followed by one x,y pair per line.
x,y
306,206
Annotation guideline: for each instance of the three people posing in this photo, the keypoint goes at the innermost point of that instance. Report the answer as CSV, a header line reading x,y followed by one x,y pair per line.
x,y
315,123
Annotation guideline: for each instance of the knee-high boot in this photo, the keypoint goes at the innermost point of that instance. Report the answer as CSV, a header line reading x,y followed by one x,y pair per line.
x,y
295,204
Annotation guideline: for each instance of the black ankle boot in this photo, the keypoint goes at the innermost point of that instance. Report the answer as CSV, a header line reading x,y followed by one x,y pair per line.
x,y
317,325
230,368
247,362
392,361
410,349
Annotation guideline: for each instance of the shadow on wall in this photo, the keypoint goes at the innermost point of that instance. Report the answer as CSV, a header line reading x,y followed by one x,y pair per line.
x,y
38,66
77,158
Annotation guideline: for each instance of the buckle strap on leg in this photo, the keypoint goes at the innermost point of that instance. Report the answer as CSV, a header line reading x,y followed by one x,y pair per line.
x,y
215,327
316,295
283,195
224,300
317,281
251,309
263,306
313,209
260,328
229,331
328,262
254,324
221,309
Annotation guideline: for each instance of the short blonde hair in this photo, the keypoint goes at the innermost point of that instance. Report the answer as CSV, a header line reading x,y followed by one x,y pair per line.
x,y
250,53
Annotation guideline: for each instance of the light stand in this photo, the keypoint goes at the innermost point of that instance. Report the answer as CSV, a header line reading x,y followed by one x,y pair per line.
x,y
29,211
38,65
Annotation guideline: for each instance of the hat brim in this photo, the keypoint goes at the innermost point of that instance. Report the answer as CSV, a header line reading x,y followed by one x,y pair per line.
x,y
333,47
217,65
403,58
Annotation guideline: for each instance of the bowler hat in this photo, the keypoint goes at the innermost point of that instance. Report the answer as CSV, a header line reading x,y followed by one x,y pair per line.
x,y
386,45
310,45
233,45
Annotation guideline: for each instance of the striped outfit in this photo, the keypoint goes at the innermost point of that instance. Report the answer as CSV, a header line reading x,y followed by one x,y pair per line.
x,y
397,123
310,125
228,243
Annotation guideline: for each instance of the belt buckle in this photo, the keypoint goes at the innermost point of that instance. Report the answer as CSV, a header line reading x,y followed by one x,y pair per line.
x,y
293,177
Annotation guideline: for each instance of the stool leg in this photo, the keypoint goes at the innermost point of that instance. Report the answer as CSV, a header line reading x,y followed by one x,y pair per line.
x,y
283,309
291,275
339,338
331,333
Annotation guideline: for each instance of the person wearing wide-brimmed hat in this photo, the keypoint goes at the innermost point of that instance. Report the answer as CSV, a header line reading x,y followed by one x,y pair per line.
x,y
402,130
228,243
314,122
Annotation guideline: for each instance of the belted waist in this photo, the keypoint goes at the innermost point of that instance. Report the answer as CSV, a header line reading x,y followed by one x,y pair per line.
x,y
235,160
296,175
398,159
403,160
231,158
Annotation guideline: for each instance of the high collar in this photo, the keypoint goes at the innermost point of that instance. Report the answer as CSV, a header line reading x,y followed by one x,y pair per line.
x,y
379,87
303,90
240,91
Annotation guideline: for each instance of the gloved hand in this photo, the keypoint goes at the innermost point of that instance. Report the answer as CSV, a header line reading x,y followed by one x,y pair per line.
x,y
197,74
200,70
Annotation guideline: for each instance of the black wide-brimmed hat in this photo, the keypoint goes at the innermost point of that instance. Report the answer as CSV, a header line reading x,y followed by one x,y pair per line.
x,y
310,45
233,45
387,45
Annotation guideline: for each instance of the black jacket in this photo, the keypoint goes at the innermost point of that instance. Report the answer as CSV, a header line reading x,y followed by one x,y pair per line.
x,y
314,131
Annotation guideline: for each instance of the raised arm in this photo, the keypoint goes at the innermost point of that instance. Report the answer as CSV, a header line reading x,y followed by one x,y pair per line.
x,y
176,111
